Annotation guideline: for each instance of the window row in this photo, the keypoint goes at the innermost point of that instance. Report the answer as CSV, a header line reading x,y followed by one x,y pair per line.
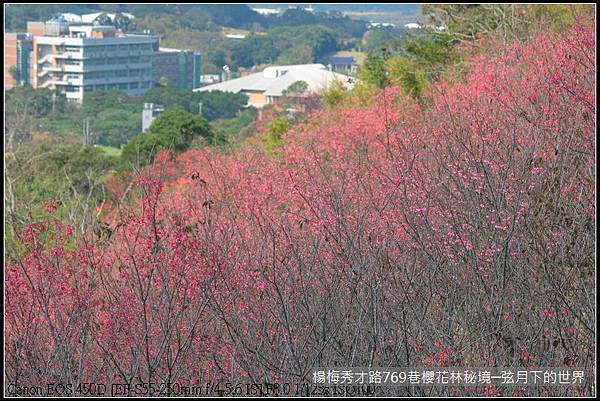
x,y
112,48
144,73
118,60
122,86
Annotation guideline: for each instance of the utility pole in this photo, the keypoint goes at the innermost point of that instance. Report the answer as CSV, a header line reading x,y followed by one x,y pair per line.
x,y
200,108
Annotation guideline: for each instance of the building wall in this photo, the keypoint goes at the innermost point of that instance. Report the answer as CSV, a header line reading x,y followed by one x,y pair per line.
x,y
181,69
256,98
17,49
10,59
36,28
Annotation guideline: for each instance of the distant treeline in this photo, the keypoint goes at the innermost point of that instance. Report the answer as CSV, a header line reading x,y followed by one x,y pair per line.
x,y
192,16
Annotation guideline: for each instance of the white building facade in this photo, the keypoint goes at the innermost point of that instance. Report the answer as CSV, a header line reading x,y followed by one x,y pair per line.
x,y
93,58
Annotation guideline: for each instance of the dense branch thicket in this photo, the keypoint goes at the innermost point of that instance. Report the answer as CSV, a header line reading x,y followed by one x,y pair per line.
x,y
462,234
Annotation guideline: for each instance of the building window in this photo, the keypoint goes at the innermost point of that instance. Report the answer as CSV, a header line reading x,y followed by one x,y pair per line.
x,y
134,85
123,86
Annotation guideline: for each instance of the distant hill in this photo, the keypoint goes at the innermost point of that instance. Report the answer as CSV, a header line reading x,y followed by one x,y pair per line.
x,y
398,14
195,16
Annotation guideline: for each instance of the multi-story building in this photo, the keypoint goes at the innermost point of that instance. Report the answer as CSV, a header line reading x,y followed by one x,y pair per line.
x,y
181,68
74,60
17,55
73,57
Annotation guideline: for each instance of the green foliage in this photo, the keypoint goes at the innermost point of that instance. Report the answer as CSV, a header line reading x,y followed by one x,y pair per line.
x,y
232,131
116,127
410,64
17,15
275,130
232,15
14,72
180,127
379,38
432,49
334,96
373,72
124,23
295,89
215,104
114,117
164,18
174,129
285,45
505,21
407,75
109,150
37,101
347,26
424,58
141,150
68,173
218,105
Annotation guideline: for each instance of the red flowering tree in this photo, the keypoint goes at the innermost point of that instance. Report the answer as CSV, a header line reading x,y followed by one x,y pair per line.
x,y
461,234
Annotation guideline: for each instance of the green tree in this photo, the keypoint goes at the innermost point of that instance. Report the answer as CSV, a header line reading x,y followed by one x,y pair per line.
x,y
123,22
69,174
407,75
215,104
174,129
141,150
504,21
379,38
335,94
373,72
14,72
275,130
295,89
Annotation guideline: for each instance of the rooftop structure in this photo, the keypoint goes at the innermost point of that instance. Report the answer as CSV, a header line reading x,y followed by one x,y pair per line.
x,y
267,87
412,25
89,18
380,25
235,36
267,11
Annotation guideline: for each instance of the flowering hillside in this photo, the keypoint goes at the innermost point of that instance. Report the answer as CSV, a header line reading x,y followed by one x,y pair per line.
x,y
456,234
